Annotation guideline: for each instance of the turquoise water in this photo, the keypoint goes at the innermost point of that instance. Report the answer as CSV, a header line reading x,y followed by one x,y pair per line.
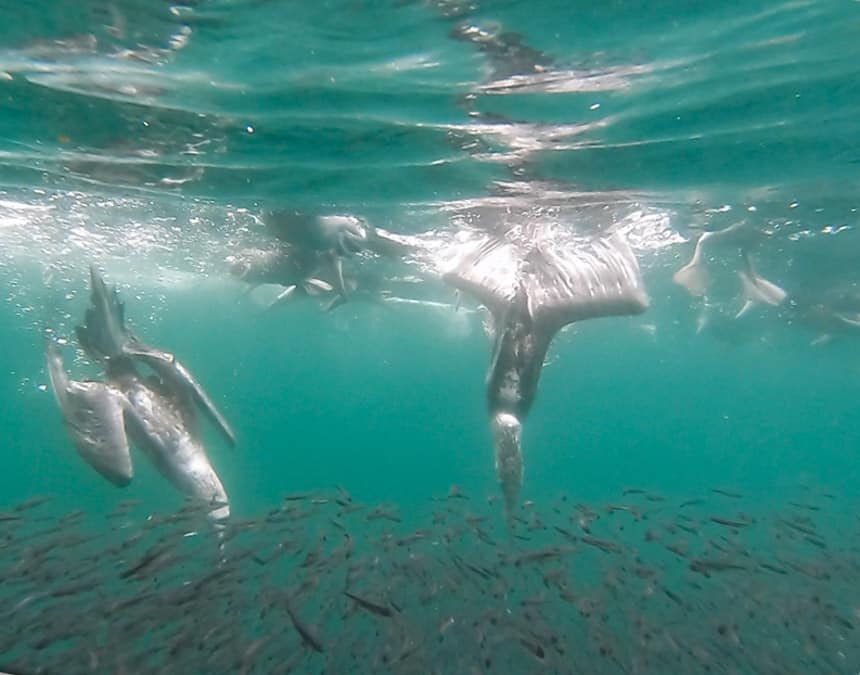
x,y
149,139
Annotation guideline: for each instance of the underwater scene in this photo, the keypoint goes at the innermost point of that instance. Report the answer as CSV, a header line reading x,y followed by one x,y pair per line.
x,y
438,337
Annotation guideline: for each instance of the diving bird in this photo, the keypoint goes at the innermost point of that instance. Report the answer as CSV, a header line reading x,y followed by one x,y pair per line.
x,y
532,288
694,275
157,414
335,236
756,289
104,336
298,271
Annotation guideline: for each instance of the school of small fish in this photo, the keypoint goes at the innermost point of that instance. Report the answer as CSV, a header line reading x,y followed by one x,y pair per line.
x,y
324,584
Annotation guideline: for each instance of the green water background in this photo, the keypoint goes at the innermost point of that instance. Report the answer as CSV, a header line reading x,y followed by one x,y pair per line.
x,y
390,407
753,106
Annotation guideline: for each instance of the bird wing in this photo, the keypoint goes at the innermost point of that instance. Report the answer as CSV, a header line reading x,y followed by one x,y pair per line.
x,y
489,273
573,283
178,376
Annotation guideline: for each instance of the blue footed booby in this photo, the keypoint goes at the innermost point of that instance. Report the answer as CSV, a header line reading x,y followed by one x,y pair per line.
x,y
157,414
532,289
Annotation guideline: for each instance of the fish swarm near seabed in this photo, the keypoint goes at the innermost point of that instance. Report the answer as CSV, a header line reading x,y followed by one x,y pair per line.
x,y
323,584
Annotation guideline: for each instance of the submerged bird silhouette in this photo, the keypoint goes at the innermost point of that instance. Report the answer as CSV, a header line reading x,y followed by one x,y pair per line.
x,y
157,413
694,275
532,289
335,237
756,289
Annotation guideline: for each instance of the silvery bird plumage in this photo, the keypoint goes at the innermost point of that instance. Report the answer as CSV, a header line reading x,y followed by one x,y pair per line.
x,y
157,414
